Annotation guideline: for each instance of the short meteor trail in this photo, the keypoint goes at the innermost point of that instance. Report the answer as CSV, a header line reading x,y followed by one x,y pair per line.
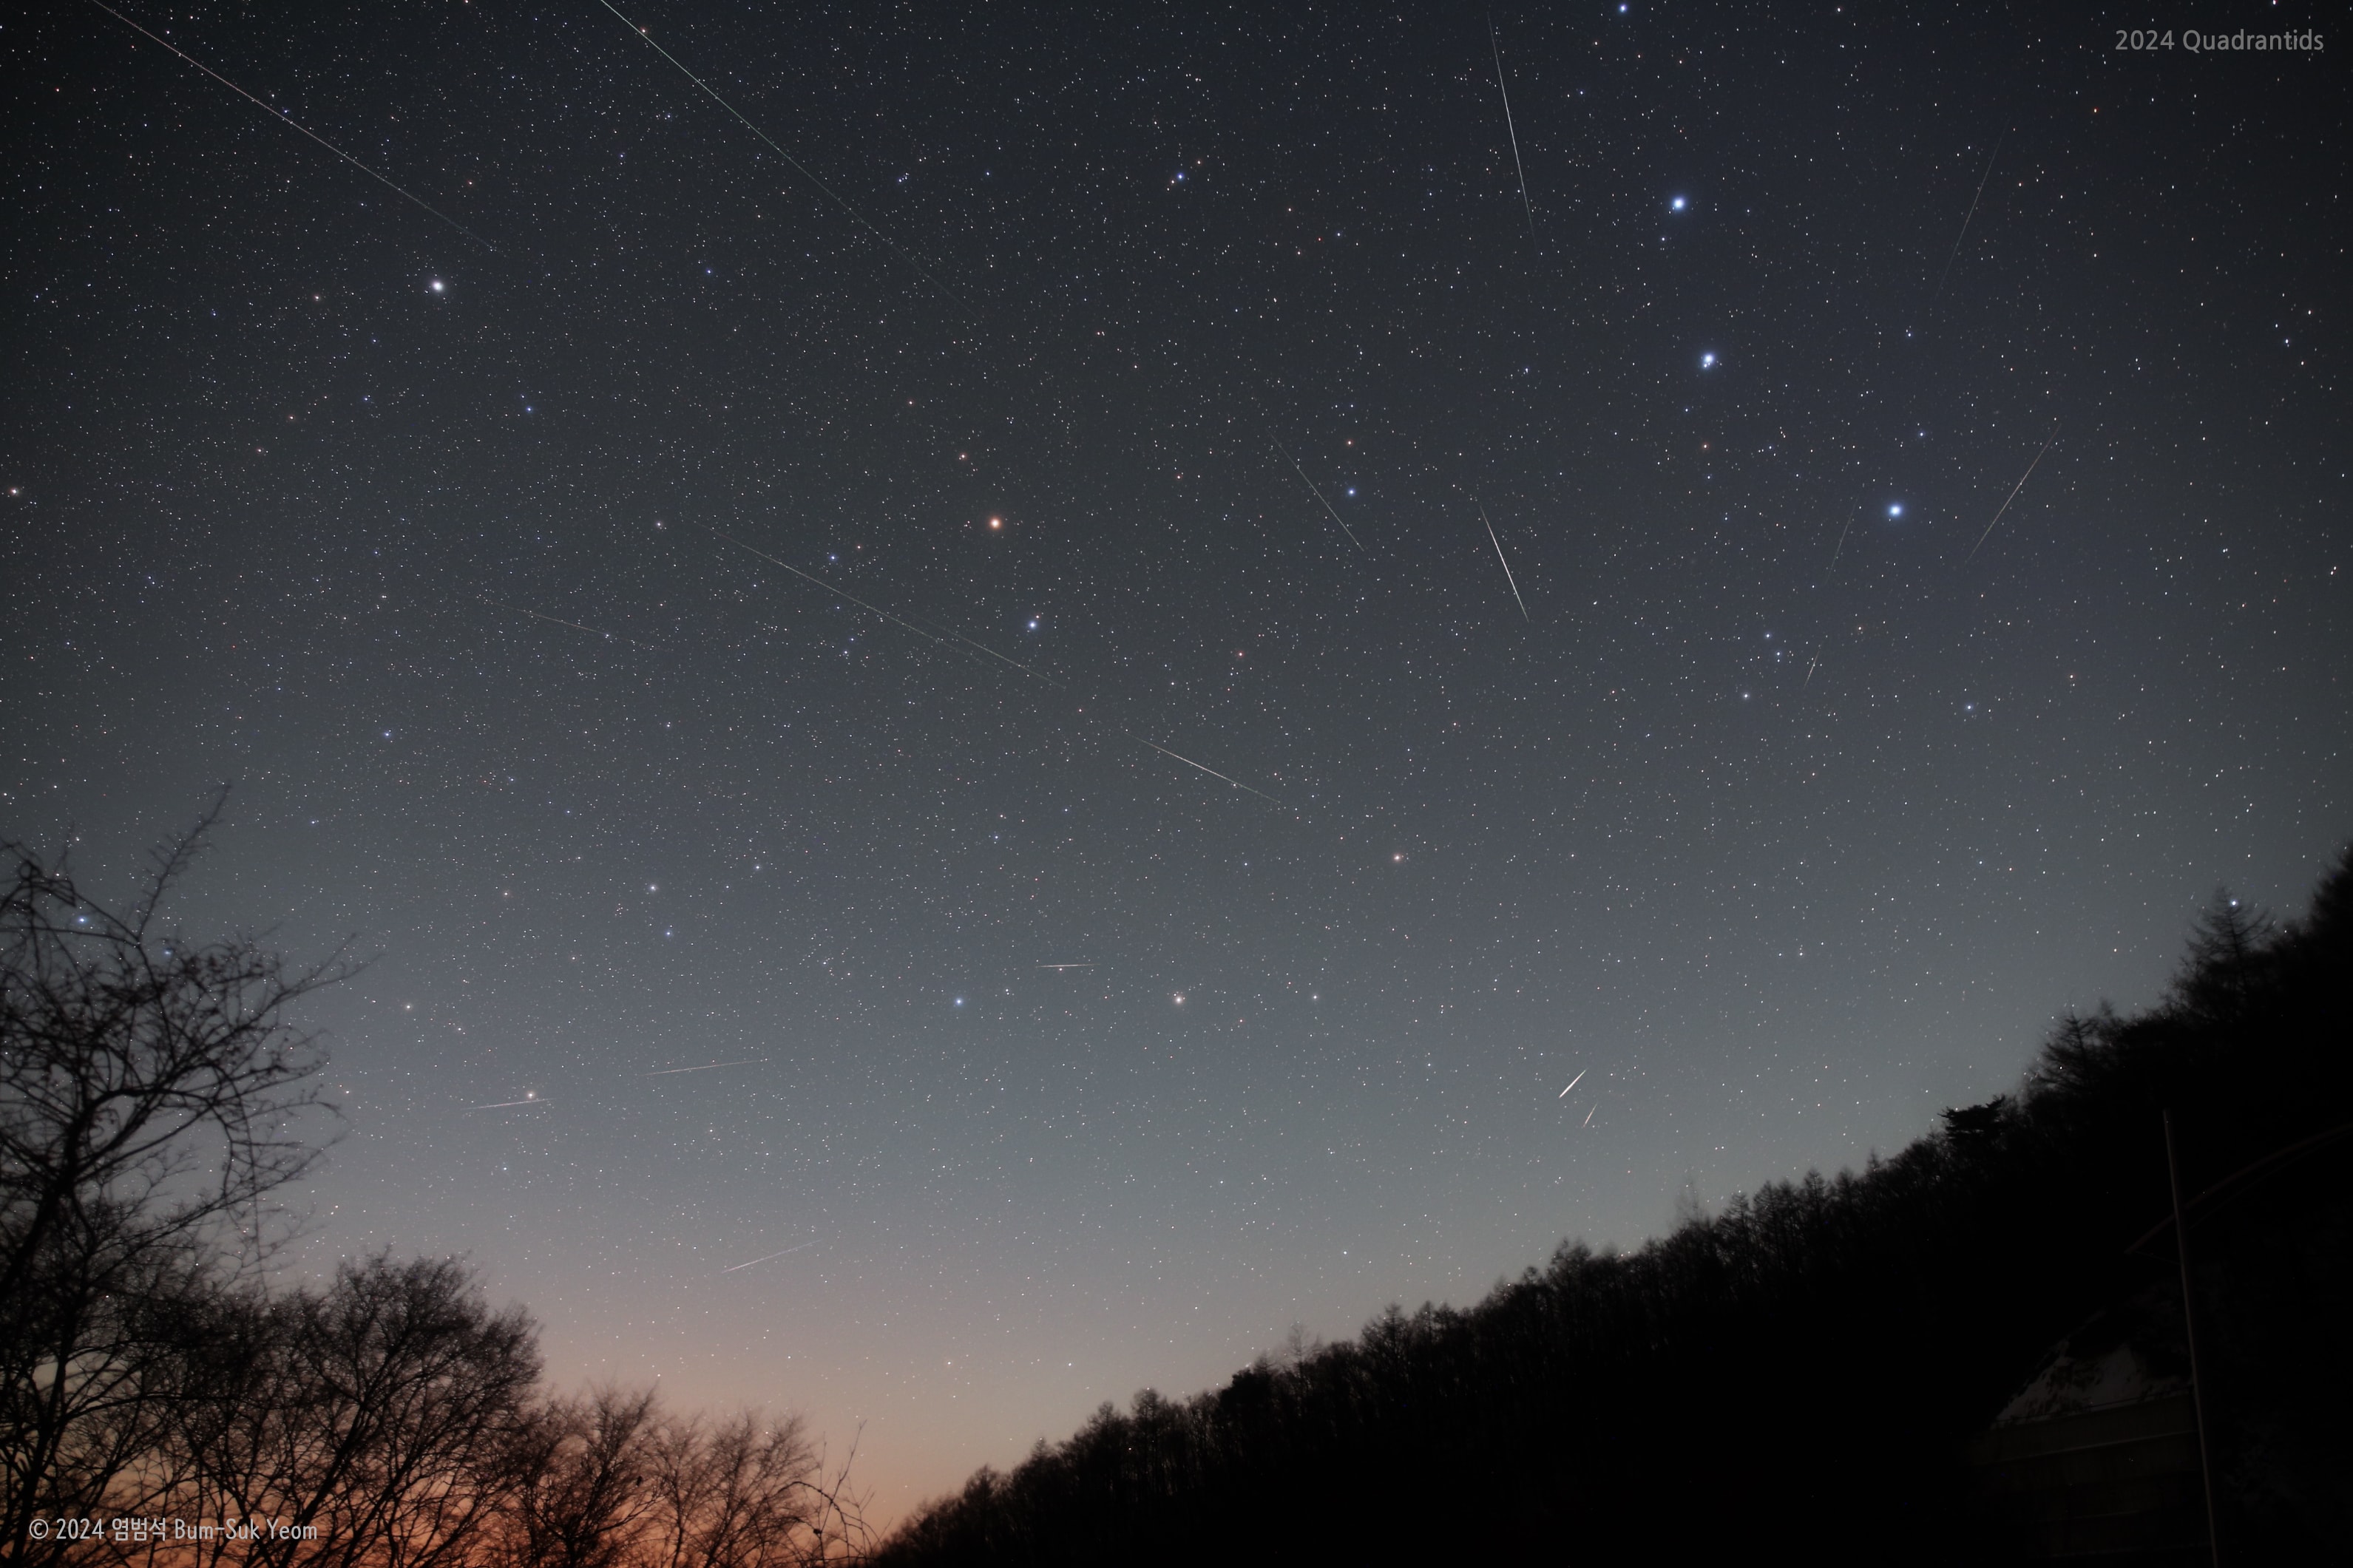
x,y
933,637
287,121
1964,221
509,1104
1573,1083
558,621
1589,1115
1318,494
1211,772
770,1258
798,167
1066,965
1513,130
1507,565
1810,667
1841,542
2012,497
707,1067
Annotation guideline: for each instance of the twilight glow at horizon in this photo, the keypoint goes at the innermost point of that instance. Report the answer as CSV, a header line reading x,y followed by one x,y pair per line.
x,y
1002,696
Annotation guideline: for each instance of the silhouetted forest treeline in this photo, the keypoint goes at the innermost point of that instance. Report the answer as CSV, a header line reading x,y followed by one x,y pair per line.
x,y
1797,1376
161,1403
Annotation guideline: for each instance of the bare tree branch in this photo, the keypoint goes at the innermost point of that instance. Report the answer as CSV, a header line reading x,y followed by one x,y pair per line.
x,y
150,1096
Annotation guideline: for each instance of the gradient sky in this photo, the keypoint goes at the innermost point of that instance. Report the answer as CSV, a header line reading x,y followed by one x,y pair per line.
x,y
1780,816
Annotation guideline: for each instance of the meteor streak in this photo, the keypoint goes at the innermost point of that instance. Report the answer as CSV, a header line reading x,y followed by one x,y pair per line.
x,y
1964,221
770,1258
509,1104
1841,542
1318,494
1211,772
287,121
933,637
1507,565
1513,130
798,167
1589,1115
707,1067
1573,1083
1066,966
2012,497
899,620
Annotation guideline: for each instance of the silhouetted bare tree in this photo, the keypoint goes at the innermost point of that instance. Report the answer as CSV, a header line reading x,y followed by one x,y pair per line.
x,y
609,1481
734,1494
376,1421
584,1492
150,1093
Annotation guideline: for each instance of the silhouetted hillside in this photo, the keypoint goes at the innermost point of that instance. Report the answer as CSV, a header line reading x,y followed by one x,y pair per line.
x,y
1800,1375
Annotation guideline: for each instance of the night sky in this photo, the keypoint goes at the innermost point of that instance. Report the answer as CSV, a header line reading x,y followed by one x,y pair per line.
x,y
1140,385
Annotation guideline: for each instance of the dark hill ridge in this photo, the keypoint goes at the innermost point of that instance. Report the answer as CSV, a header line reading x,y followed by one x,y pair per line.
x,y
1803,1374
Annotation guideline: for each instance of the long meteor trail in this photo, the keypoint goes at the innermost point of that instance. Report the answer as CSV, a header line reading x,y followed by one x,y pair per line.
x,y
1317,494
708,1067
798,167
1972,555
931,636
1498,543
1211,772
924,632
287,121
1525,204
770,1258
1573,1083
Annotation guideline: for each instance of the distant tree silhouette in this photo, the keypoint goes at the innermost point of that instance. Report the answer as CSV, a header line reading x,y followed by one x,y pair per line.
x,y
1795,1375
610,1481
2230,951
1977,1120
381,1415
585,1495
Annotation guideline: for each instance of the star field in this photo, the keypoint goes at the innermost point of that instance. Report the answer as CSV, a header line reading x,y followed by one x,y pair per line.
x,y
697,633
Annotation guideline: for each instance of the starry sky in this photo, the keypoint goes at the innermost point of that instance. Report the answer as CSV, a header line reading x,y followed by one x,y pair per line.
x,y
677,591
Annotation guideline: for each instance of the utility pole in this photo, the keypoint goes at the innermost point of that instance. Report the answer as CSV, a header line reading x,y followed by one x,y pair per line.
x,y
2189,1328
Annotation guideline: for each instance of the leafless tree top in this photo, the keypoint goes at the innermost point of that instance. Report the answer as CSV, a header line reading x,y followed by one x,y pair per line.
x,y
150,1087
